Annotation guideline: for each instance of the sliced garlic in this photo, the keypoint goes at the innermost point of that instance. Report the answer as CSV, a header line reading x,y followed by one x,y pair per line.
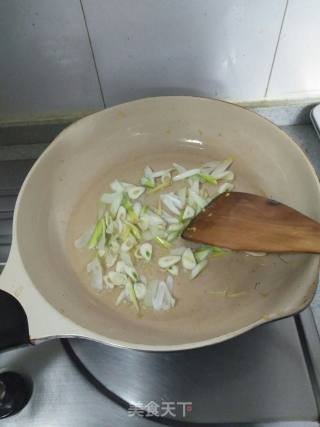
x,y
126,258
188,213
182,193
188,260
121,214
170,282
222,166
128,244
118,279
132,295
159,174
163,300
198,268
172,202
223,188
110,258
131,272
116,204
109,223
167,261
109,198
194,184
137,207
116,186
179,168
175,227
120,267
135,192
178,251
174,270
225,175
169,218
95,270
107,281
146,251
201,254
140,290
186,174
83,240
122,297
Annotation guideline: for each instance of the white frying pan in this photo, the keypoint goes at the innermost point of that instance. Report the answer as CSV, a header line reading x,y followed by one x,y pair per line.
x,y
57,202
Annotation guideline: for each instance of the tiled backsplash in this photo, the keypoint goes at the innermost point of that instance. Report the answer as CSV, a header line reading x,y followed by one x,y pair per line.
x,y
63,57
296,71
46,61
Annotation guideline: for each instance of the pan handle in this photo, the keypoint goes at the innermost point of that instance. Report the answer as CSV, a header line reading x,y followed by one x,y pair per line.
x,y
14,328
31,319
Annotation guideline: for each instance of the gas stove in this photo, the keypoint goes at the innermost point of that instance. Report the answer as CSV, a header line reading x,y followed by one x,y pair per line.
x,y
267,377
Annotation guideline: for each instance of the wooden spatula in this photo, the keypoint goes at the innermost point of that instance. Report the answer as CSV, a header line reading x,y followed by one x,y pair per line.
x,y
247,222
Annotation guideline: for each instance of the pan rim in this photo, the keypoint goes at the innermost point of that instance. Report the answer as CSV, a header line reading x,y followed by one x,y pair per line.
x,y
168,347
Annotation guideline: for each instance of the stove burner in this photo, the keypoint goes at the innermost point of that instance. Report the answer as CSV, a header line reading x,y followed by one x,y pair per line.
x,y
114,397
15,392
225,383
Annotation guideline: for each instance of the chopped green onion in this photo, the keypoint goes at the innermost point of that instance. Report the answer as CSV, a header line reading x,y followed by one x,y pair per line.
x,y
83,240
159,187
147,182
173,235
162,242
127,226
144,251
118,279
174,270
188,213
140,290
132,295
134,230
186,174
122,297
167,261
179,168
95,270
224,188
96,235
135,192
208,178
216,251
198,268
188,260
201,254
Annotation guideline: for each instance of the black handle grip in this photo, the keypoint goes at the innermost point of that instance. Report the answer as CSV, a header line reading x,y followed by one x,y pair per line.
x,y
15,392
14,328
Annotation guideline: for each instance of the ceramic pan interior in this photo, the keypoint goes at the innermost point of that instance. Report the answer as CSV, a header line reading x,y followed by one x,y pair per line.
x,y
58,202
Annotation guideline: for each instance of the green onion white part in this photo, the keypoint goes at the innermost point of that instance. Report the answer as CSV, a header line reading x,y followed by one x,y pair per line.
x,y
95,270
168,261
83,240
198,268
188,260
130,230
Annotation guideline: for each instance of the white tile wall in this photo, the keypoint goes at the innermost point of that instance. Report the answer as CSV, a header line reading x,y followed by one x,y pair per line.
x,y
210,47
46,65
216,48
296,71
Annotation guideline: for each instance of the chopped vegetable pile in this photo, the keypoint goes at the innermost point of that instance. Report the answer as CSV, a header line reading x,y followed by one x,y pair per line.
x,y
128,227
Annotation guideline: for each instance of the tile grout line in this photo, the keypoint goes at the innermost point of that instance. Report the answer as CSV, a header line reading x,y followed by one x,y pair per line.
x,y
92,53
276,49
